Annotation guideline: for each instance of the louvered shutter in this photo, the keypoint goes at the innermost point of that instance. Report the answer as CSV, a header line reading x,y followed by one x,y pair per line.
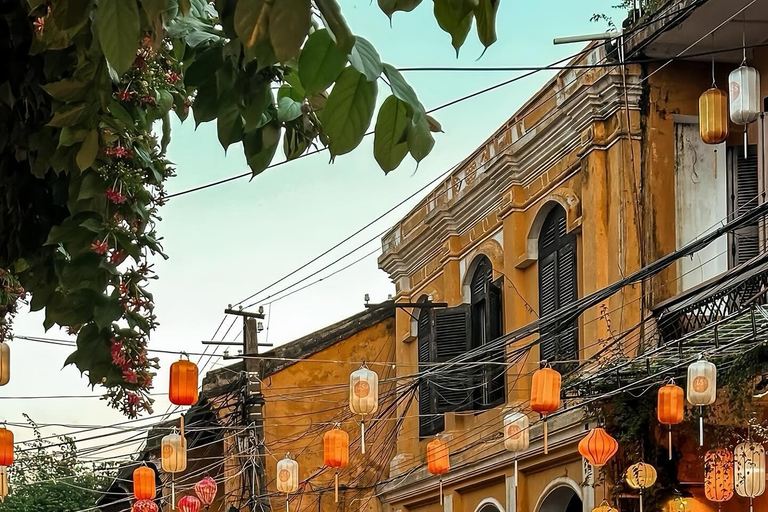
x,y
452,339
745,241
496,353
429,422
568,337
547,305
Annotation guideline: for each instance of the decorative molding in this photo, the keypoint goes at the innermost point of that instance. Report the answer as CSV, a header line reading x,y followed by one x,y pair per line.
x,y
489,501
555,484
570,202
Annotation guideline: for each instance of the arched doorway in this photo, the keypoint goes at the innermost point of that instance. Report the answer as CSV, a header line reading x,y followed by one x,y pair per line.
x,y
489,505
561,499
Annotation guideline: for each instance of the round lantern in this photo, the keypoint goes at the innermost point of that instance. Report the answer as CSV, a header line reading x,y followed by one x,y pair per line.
x,y
641,476
363,396
438,461
287,477
5,363
6,447
702,388
598,447
3,483
183,385
718,475
144,506
713,116
749,469
545,395
604,507
206,489
189,504
336,453
670,409
144,483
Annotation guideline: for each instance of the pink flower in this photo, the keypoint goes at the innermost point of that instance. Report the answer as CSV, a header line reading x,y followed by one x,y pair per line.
x,y
114,196
100,247
125,95
130,376
117,257
173,77
133,399
118,358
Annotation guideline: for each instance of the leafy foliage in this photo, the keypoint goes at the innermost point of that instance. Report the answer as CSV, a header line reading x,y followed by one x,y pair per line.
x,y
85,84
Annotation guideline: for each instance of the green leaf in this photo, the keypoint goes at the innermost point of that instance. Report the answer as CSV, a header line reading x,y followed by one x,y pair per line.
x,y
260,146
252,21
203,67
68,115
206,104
229,124
122,115
389,7
289,23
292,77
288,109
349,111
107,310
287,91
485,20
88,151
455,17
117,25
166,133
333,20
257,106
391,125
365,59
403,91
66,90
420,140
434,125
154,10
72,14
164,101
320,62
294,143
184,7
70,136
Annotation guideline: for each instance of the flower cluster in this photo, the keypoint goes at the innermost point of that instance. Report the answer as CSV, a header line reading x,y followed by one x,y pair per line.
x,y
11,293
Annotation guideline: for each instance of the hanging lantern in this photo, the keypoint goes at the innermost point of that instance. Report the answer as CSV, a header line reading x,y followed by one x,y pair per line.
x,y
6,447
749,469
287,477
206,489
670,409
183,386
713,116
173,453
598,447
702,388
641,476
144,483
189,504
363,396
744,85
545,395
145,506
718,475
3,483
516,434
5,363
604,507
438,461
336,453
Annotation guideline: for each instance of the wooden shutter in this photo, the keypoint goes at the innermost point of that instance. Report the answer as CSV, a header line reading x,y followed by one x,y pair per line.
x,y
744,188
452,339
430,422
568,337
496,372
547,305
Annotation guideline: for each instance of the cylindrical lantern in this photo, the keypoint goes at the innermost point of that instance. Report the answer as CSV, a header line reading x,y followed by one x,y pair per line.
x,y
336,453
144,506
438,461
144,483
5,363
6,447
183,385
363,396
206,489
744,85
670,409
604,507
173,453
702,388
189,504
3,483
718,475
713,116
598,447
641,476
749,469
287,477
545,395
516,434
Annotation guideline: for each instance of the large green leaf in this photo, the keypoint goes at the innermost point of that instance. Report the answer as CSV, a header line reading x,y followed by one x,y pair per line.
x,y
71,14
389,7
455,17
320,62
288,109
389,147
420,140
260,146
485,19
68,89
336,24
403,91
154,10
365,59
349,111
206,104
289,24
229,124
88,151
68,115
252,21
117,25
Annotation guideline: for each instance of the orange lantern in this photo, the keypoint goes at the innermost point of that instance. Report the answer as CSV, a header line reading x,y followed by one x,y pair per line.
x,y
718,475
336,453
713,116
144,483
183,388
598,447
670,409
438,461
545,395
6,447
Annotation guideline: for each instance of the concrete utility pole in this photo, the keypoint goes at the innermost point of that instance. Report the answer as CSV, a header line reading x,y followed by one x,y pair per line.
x,y
253,406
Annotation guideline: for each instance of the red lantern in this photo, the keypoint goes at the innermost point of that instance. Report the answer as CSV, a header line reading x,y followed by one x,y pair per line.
x,y
598,447
438,461
336,453
145,506
144,483
6,447
189,504
545,395
183,387
206,491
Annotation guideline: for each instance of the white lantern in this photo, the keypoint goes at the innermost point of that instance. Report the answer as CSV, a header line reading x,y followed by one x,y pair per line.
x,y
287,477
749,470
5,363
702,388
173,453
516,434
363,396
3,483
744,85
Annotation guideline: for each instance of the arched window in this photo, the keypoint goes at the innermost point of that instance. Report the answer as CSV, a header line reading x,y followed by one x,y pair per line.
x,y
557,286
430,421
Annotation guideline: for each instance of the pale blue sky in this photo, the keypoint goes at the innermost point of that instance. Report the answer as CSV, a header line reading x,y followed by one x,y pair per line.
x,y
231,240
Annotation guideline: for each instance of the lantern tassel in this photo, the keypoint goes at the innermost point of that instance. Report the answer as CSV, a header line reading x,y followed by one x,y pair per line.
x,y
750,505
441,490
173,491
745,142
287,505
701,426
546,447
336,486
362,436
515,472
669,442
641,500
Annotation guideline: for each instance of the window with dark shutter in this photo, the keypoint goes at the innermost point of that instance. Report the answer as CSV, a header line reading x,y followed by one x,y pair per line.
x,y
744,243
451,340
430,422
557,286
